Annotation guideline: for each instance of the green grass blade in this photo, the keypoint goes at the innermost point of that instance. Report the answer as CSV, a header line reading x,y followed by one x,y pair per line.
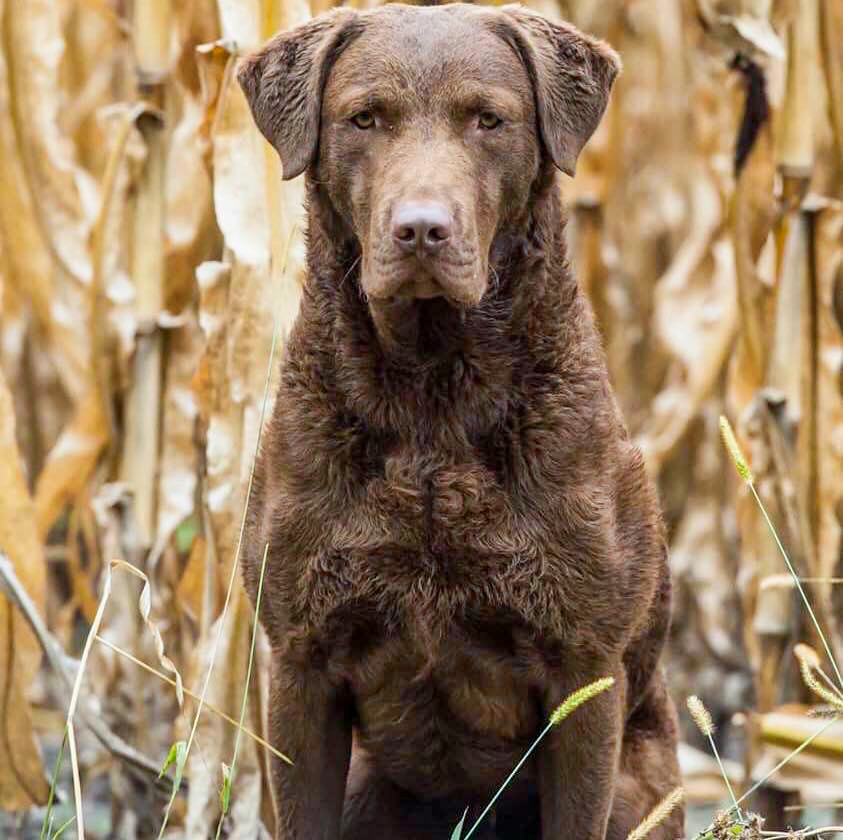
x,y
456,834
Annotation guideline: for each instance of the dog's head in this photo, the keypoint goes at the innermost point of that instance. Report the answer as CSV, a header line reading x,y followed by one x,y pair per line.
x,y
427,128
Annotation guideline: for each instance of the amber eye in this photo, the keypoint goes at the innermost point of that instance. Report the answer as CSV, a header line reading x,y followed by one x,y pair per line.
x,y
364,119
488,120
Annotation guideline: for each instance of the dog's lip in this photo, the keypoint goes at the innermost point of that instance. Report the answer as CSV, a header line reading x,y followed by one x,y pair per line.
x,y
417,287
410,292
423,287
425,283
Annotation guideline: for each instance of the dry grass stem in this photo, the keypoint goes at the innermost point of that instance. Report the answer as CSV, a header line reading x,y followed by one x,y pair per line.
x,y
152,265
188,693
745,472
702,718
230,770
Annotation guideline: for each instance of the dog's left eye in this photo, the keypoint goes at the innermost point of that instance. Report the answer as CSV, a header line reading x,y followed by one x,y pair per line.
x,y
488,120
364,119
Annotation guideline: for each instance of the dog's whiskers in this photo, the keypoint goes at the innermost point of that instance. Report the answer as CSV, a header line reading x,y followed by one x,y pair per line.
x,y
350,269
496,280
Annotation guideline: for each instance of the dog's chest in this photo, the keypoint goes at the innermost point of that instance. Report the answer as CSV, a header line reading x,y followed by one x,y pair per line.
x,y
431,504
416,551
427,537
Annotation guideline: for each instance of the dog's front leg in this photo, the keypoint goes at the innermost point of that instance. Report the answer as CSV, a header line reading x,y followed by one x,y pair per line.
x,y
577,765
309,721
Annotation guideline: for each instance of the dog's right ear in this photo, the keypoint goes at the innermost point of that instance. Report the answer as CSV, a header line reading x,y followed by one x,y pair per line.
x,y
284,81
572,75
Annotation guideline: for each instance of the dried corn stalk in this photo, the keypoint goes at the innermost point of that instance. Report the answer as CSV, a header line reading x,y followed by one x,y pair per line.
x,y
148,247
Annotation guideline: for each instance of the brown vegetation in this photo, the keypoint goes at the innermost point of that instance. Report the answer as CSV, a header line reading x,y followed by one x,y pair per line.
x,y
148,246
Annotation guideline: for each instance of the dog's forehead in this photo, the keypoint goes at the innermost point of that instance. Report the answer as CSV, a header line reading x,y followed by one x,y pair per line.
x,y
428,50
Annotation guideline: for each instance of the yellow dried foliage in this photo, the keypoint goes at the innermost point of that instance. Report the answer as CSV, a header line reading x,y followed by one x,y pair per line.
x,y
148,247
22,779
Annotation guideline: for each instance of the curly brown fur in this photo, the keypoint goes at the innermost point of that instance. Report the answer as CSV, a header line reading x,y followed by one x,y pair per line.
x,y
460,531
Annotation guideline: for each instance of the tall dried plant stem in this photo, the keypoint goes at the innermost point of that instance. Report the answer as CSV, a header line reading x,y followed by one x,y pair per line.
x,y
236,562
831,36
74,700
100,359
140,451
151,33
228,782
798,584
744,471
796,147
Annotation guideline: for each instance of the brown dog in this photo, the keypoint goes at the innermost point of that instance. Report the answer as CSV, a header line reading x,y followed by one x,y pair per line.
x,y
460,531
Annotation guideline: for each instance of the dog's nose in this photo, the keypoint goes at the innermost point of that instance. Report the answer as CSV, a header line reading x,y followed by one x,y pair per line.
x,y
421,225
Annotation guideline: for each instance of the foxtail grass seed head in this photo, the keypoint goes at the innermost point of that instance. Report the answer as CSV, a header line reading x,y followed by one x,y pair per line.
x,y
808,663
580,696
731,443
658,815
700,715
806,655
824,713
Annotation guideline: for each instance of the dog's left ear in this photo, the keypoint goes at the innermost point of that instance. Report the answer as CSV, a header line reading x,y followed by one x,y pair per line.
x,y
284,81
572,76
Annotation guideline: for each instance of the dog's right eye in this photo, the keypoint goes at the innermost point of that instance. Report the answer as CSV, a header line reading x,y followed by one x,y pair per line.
x,y
364,119
489,120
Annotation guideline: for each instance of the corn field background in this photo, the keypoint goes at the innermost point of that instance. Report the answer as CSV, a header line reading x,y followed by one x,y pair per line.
x,y
148,249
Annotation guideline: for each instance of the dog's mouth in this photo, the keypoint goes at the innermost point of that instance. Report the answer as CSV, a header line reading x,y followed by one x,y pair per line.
x,y
461,284
420,286
418,308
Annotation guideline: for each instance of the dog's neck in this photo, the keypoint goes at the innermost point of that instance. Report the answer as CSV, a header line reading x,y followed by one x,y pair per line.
x,y
406,357
418,332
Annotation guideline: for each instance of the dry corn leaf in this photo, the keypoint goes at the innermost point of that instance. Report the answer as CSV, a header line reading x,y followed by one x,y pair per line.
x,y
189,224
71,461
221,416
831,47
64,195
22,778
26,261
191,590
826,455
696,320
658,215
92,67
177,477
235,297
743,25
752,213
237,154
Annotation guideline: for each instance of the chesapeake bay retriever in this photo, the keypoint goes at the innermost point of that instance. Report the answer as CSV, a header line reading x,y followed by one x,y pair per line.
x,y
460,531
